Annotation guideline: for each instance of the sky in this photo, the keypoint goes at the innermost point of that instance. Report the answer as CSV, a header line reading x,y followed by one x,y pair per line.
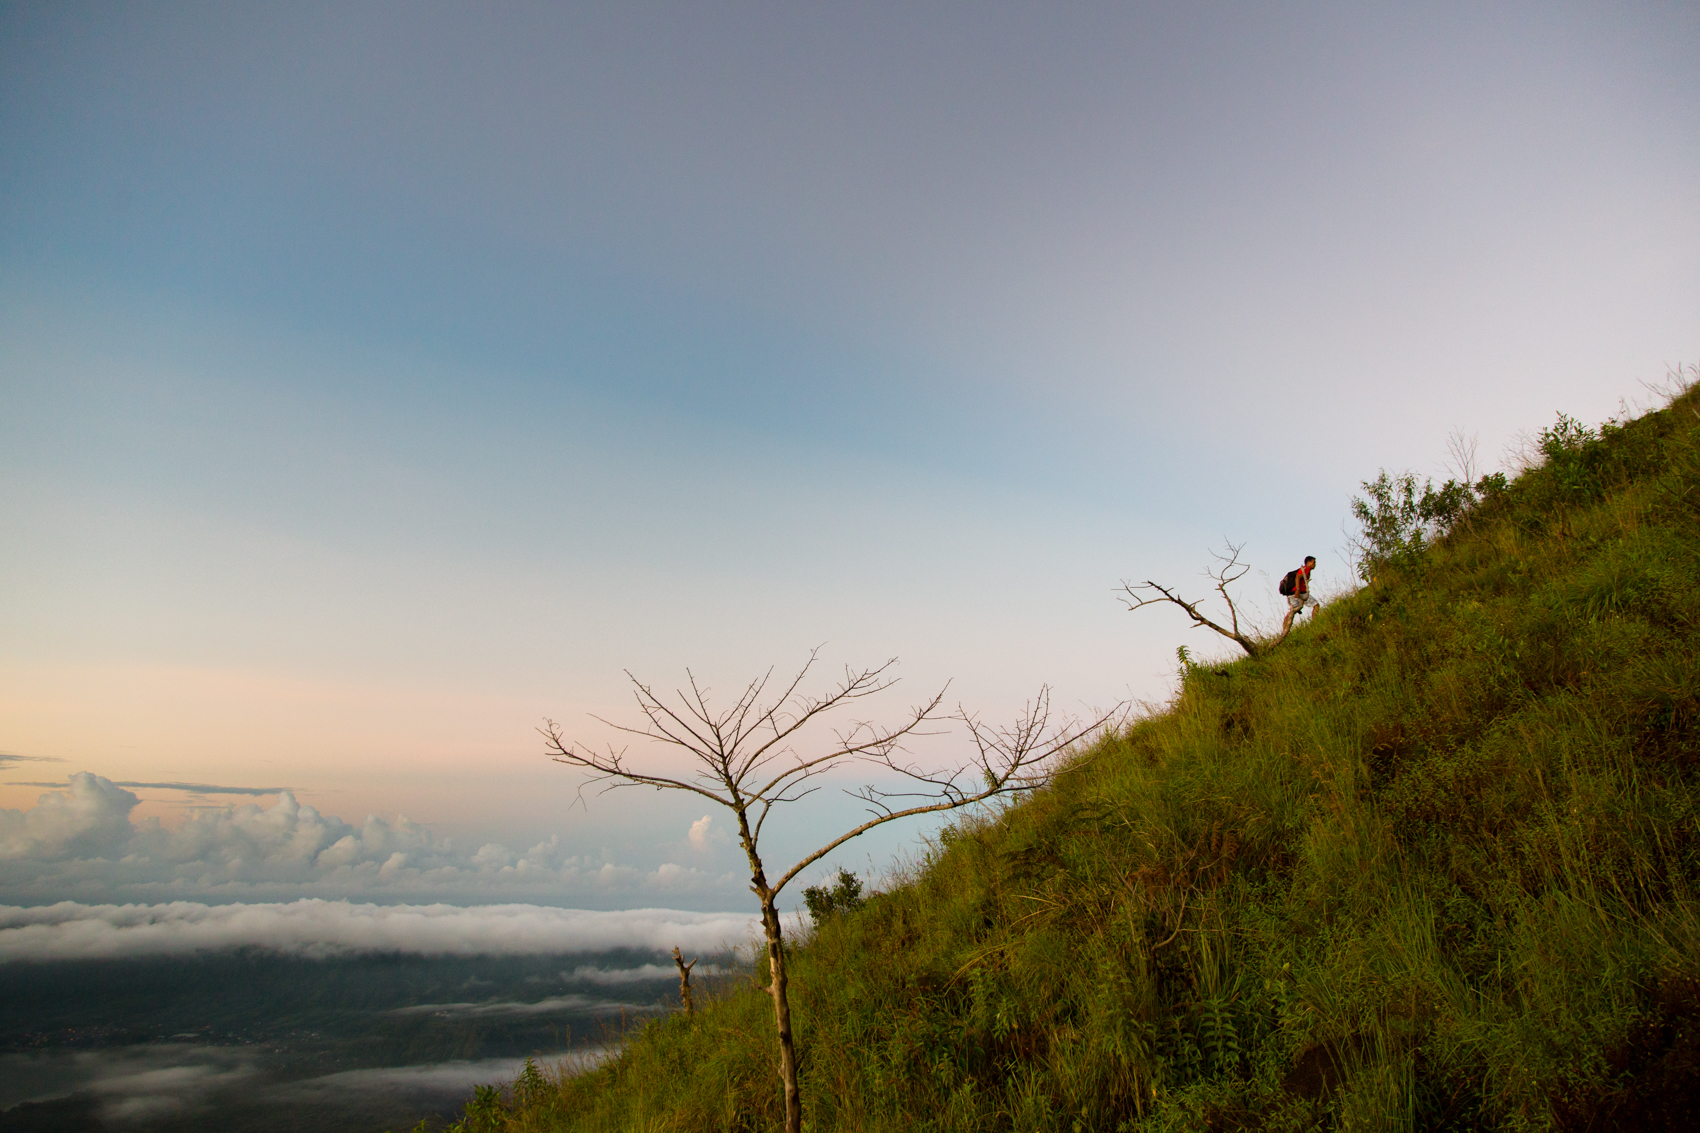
x,y
379,380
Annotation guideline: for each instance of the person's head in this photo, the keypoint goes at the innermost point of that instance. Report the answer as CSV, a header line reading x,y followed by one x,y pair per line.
x,y
1310,561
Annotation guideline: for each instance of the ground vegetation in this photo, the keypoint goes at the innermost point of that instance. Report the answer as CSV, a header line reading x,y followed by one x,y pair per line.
x,y
767,750
1432,863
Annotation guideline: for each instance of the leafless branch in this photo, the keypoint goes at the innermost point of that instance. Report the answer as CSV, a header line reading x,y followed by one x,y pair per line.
x,y
747,758
1229,570
1008,760
1461,456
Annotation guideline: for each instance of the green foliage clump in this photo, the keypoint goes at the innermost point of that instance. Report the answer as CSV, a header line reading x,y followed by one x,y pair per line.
x,y
1431,864
845,896
1399,522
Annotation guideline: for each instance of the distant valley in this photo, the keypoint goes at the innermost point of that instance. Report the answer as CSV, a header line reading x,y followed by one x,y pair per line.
x,y
252,1040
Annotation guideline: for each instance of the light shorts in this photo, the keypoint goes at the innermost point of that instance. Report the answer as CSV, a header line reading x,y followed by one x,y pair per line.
x,y
1297,602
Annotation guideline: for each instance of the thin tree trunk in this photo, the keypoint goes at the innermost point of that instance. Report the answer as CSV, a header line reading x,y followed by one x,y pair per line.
x,y
685,996
777,980
782,1016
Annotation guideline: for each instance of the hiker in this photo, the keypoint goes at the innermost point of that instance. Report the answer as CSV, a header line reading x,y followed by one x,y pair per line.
x,y
1296,586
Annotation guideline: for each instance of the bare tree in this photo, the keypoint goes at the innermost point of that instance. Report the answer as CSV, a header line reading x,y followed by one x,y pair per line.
x,y
685,996
1461,458
747,758
1228,571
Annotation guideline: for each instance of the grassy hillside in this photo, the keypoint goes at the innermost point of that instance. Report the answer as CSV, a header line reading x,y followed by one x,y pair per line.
x,y
1430,864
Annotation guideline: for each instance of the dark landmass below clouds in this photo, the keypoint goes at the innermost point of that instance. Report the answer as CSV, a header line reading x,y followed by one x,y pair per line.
x,y
249,1040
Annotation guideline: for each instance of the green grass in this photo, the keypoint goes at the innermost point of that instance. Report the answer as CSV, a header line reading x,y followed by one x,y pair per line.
x,y
1430,864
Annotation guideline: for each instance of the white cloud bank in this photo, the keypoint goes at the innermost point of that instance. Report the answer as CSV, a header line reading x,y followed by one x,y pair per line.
x,y
69,931
609,977
81,842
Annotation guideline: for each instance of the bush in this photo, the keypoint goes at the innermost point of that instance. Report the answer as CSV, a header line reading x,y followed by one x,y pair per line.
x,y
1398,522
844,897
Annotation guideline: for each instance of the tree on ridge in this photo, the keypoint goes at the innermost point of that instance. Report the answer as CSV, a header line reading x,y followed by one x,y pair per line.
x,y
746,761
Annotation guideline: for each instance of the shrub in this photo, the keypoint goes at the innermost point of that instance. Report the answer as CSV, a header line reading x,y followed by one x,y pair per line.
x,y
843,897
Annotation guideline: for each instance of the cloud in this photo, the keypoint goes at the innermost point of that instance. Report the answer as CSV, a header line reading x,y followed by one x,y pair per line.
x,y
91,819
315,928
207,788
137,1083
699,832
132,1083
81,842
640,974
191,788
513,1008
7,759
455,1078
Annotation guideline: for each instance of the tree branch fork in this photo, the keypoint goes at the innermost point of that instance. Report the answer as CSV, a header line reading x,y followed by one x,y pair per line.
x,y
1228,570
750,757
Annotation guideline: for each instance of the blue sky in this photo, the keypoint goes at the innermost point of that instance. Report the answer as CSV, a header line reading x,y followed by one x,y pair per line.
x,y
379,379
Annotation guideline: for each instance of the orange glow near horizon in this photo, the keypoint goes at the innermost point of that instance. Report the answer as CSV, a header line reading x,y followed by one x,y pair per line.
x,y
348,749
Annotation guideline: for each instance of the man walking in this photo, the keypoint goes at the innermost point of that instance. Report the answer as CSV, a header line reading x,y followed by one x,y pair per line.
x,y
1296,586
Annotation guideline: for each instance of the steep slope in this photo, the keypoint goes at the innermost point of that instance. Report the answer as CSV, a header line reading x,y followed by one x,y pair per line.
x,y
1431,864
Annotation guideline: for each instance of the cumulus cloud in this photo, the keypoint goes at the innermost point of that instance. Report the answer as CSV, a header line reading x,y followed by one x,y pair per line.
x,y
316,928
91,819
82,842
699,832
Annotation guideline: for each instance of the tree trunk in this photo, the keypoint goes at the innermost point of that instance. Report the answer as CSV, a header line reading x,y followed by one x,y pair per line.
x,y
777,980
685,996
782,1016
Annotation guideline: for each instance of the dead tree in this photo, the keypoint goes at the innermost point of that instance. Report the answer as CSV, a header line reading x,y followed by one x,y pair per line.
x,y
748,759
685,980
1229,570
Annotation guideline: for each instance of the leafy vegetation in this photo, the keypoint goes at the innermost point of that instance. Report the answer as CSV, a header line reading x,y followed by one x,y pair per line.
x,y
844,896
1430,864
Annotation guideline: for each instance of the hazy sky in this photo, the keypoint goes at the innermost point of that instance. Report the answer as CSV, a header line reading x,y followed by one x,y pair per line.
x,y
378,379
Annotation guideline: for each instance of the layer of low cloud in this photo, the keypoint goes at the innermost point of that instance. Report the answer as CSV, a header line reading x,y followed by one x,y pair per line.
x,y
206,788
160,1080
131,1084
81,842
517,1008
643,973
455,1078
7,759
312,927
187,788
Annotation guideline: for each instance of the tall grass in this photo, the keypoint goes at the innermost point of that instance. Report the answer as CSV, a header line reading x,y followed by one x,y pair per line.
x,y
1430,864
